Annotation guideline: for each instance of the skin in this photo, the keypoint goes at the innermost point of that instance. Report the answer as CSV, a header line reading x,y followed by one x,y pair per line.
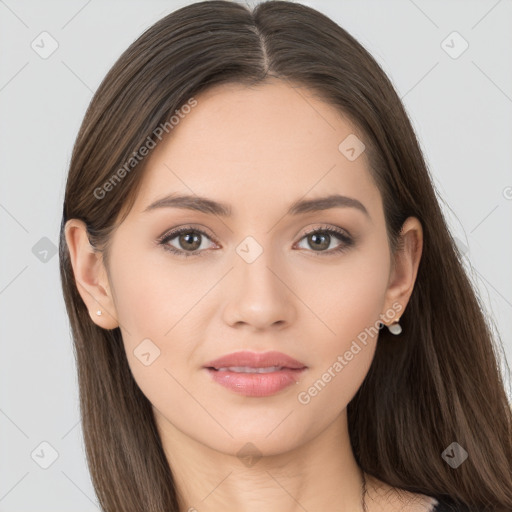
x,y
257,149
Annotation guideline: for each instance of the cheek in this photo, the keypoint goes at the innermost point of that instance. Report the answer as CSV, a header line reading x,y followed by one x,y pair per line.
x,y
344,301
346,297
154,293
159,300
152,299
343,353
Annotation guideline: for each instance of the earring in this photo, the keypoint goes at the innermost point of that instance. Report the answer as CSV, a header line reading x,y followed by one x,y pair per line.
x,y
395,328
98,312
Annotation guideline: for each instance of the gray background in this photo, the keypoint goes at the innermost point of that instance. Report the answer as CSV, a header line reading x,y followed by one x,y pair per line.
x,y
460,107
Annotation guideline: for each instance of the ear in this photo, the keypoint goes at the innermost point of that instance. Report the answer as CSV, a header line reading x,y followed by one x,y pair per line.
x,y
90,275
406,263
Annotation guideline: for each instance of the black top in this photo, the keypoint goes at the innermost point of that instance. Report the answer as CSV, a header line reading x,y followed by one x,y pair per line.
x,y
447,505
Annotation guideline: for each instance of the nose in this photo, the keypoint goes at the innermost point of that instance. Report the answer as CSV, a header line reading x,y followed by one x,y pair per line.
x,y
261,295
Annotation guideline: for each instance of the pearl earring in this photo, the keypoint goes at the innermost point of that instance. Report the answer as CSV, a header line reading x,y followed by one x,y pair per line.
x,y
98,312
395,328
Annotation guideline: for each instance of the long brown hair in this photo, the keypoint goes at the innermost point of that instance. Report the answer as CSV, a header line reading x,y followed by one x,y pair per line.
x,y
438,383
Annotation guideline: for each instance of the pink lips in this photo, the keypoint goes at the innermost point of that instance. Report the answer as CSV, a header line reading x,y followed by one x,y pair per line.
x,y
255,384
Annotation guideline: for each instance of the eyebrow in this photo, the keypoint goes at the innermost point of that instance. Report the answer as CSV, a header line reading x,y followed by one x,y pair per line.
x,y
301,206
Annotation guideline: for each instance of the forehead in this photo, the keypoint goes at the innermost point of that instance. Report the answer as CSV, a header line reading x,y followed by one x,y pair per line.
x,y
249,146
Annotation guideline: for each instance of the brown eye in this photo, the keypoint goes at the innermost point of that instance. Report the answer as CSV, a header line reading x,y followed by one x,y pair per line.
x,y
320,239
188,241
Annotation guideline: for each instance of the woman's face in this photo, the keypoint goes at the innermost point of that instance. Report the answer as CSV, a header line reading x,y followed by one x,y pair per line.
x,y
255,280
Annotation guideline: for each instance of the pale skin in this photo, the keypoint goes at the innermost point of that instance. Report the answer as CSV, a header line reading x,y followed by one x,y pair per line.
x,y
258,150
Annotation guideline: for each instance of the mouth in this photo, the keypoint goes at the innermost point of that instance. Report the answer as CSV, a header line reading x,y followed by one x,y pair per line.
x,y
256,374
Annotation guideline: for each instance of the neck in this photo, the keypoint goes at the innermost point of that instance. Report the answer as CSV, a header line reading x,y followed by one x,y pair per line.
x,y
320,474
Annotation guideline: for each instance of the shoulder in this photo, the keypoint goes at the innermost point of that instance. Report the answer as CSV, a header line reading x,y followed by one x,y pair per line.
x,y
382,497
385,498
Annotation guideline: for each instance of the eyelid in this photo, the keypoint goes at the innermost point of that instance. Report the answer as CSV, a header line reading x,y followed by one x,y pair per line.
x,y
189,227
326,227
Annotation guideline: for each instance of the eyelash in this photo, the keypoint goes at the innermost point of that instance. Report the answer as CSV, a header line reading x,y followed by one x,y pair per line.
x,y
338,233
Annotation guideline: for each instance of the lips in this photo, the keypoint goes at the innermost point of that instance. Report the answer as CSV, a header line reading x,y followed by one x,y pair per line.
x,y
260,362
255,374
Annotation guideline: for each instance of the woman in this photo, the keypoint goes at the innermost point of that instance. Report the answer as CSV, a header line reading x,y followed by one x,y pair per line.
x,y
247,208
